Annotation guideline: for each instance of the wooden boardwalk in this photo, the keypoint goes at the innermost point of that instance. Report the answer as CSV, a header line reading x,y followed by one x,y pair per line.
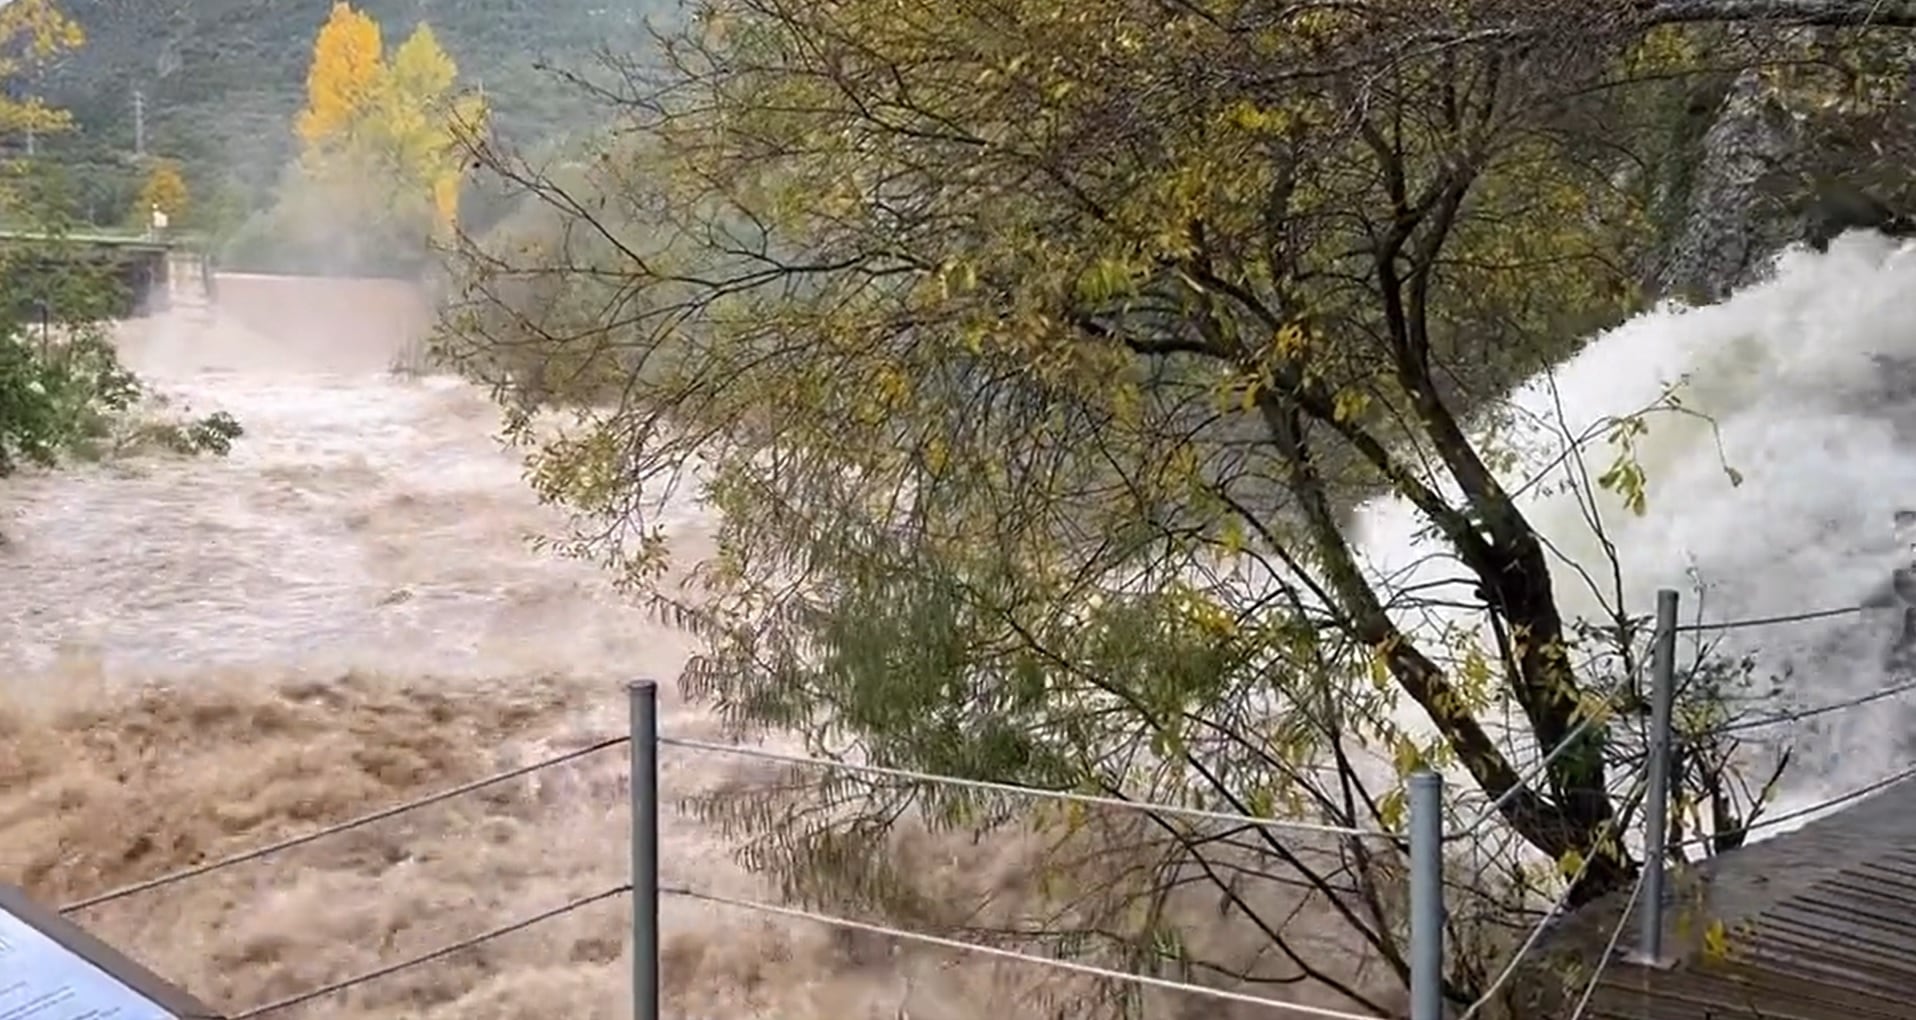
x,y
1816,924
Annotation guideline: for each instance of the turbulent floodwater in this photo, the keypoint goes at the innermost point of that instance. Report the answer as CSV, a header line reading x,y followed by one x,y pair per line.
x,y
1805,386
363,522
200,657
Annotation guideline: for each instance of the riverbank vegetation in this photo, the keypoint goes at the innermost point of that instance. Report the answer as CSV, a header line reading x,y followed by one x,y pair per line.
x,y
63,391
1032,353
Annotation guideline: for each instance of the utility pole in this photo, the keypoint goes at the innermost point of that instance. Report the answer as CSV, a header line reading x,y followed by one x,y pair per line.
x,y
139,124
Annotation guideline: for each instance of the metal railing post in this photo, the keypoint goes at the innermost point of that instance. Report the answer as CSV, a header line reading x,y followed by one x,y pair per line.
x,y
644,702
1656,805
1426,896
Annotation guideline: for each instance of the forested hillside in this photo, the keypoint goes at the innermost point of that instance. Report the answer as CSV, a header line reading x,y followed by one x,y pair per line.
x,y
222,79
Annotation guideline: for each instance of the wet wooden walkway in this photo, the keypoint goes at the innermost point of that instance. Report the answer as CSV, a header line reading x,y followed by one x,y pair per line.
x,y
1817,924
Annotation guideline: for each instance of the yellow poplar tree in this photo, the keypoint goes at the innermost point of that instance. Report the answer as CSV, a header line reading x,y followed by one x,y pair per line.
x,y
33,32
418,118
165,187
344,78
394,117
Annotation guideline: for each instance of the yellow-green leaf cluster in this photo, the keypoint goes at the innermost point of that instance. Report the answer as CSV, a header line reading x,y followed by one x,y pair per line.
x,y
164,189
33,33
1031,352
383,127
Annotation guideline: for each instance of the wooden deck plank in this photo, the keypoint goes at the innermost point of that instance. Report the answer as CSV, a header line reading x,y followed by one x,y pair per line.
x,y
1705,994
1821,921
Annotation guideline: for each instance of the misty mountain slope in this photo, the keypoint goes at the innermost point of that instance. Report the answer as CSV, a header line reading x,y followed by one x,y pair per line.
x,y
223,78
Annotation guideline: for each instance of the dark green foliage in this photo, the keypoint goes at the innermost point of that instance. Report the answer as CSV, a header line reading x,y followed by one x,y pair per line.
x,y
55,398
63,390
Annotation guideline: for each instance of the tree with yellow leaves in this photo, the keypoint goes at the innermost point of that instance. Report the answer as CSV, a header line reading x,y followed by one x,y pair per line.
x,y
1033,354
418,116
344,76
380,130
33,32
165,190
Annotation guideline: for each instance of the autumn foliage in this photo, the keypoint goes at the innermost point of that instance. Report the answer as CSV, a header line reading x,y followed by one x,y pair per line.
x,y
345,74
164,189
33,32
377,131
1033,355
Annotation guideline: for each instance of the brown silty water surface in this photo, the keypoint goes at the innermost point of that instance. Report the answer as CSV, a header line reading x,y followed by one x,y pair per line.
x,y
200,657
204,656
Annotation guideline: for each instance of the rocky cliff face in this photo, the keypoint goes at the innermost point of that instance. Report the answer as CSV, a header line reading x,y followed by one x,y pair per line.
x,y
1729,229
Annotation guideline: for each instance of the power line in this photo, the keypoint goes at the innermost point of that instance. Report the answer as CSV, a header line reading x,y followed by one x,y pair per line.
x,y
444,951
1811,713
1610,949
1837,801
1536,772
1093,800
1530,942
1011,954
1766,621
333,830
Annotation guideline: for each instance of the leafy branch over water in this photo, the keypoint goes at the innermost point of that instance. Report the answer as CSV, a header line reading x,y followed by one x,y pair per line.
x,y
1034,354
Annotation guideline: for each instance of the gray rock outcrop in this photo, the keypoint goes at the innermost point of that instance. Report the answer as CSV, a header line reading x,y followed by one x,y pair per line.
x,y
1727,233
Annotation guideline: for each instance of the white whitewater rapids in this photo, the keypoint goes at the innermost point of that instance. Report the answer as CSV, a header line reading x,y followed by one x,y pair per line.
x,y
371,523
363,517
1805,386
362,522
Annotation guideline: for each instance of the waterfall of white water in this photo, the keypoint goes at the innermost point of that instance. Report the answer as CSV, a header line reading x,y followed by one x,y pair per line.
x,y
345,615
1774,488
